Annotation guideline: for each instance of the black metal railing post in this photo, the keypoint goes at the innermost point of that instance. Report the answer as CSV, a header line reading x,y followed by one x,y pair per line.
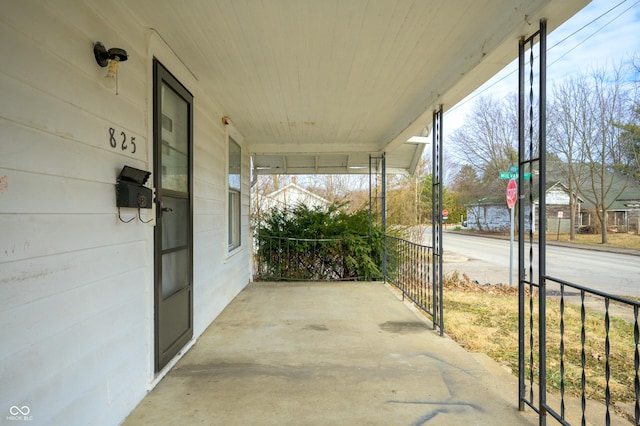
x,y
542,214
436,216
521,230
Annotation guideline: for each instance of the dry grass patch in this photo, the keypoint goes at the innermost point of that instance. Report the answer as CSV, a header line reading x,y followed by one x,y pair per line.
x,y
484,318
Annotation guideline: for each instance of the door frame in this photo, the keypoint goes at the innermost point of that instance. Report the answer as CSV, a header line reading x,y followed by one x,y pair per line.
x,y
162,74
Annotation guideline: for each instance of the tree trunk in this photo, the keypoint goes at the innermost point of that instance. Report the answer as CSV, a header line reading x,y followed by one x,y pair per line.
x,y
573,201
603,225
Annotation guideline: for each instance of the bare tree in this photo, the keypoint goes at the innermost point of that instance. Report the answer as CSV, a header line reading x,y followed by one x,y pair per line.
x,y
570,128
466,188
630,153
608,105
489,136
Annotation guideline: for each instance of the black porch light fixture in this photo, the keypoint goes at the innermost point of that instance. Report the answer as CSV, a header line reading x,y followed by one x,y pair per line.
x,y
111,59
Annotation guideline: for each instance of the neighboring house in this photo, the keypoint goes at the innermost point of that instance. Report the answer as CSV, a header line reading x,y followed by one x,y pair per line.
x,y
621,198
290,195
627,215
623,215
491,215
558,208
623,212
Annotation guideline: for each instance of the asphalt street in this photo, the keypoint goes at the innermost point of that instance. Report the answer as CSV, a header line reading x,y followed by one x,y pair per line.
x,y
486,260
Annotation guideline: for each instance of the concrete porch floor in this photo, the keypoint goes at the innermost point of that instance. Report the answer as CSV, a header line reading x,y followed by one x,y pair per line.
x,y
329,354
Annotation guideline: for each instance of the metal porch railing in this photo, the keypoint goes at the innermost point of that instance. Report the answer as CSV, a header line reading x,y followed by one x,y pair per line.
x,y
408,266
304,259
601,361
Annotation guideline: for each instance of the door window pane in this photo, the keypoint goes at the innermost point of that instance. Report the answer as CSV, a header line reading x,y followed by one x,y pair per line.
x,y
175,222
175,271
175,140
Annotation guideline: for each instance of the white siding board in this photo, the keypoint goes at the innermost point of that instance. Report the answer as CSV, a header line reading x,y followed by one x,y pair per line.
x,y
69,85
68,308
40,193
29,280
67,30
61,156
204,206
111,387
209,175
207,189
201,224
35,109
208,239
212,299
33,235
54,372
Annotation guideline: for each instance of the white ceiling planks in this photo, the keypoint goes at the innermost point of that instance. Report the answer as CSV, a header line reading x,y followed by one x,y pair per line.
x,y
336,79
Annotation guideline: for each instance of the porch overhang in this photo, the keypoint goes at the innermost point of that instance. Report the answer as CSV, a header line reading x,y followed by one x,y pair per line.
x,y
318,86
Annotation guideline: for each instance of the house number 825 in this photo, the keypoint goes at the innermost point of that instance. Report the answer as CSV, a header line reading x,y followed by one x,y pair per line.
x,y
121,140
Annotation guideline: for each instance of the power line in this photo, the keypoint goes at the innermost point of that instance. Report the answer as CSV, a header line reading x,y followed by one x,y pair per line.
x,y
470,98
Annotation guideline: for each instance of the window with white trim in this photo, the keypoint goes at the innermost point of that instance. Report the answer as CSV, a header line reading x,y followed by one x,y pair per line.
x,y
235,159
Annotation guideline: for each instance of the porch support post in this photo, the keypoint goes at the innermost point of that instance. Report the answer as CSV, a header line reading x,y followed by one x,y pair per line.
x,y
383,212
371,200
384,193
436,219
532,158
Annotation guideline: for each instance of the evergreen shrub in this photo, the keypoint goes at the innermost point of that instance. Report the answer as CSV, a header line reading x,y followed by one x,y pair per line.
x,y
319,243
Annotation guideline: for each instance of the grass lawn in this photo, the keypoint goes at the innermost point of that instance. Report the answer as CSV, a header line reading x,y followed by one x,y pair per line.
x,y
624,240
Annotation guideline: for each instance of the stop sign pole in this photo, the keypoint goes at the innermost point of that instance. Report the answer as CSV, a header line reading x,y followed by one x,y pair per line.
x,y
512,196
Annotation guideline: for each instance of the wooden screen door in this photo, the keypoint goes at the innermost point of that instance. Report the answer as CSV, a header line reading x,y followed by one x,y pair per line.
x,y
173,248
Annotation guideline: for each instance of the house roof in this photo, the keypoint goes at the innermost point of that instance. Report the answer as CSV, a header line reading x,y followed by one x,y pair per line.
x,y
622,192
316,86
301,194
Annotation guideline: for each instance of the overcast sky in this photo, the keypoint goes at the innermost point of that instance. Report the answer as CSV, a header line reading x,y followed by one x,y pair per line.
x,y
602,34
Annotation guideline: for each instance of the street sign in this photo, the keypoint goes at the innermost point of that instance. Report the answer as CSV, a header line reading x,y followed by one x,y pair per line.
x,y
510,175
445,214
513,169
512,193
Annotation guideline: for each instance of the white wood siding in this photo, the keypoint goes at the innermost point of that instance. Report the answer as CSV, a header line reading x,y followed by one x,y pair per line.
x,y
557,196
76,284
491,217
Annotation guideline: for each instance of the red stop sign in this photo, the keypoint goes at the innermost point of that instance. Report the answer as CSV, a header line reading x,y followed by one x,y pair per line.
x,y
512,193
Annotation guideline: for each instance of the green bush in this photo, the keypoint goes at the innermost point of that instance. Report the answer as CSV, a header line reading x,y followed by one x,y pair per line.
x,y
321,243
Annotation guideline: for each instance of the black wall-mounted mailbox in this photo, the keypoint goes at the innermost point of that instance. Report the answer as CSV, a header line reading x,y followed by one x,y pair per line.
x,y
130,189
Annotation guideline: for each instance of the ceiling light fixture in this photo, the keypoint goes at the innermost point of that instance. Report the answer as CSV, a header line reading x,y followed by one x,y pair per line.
x,y
419,139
